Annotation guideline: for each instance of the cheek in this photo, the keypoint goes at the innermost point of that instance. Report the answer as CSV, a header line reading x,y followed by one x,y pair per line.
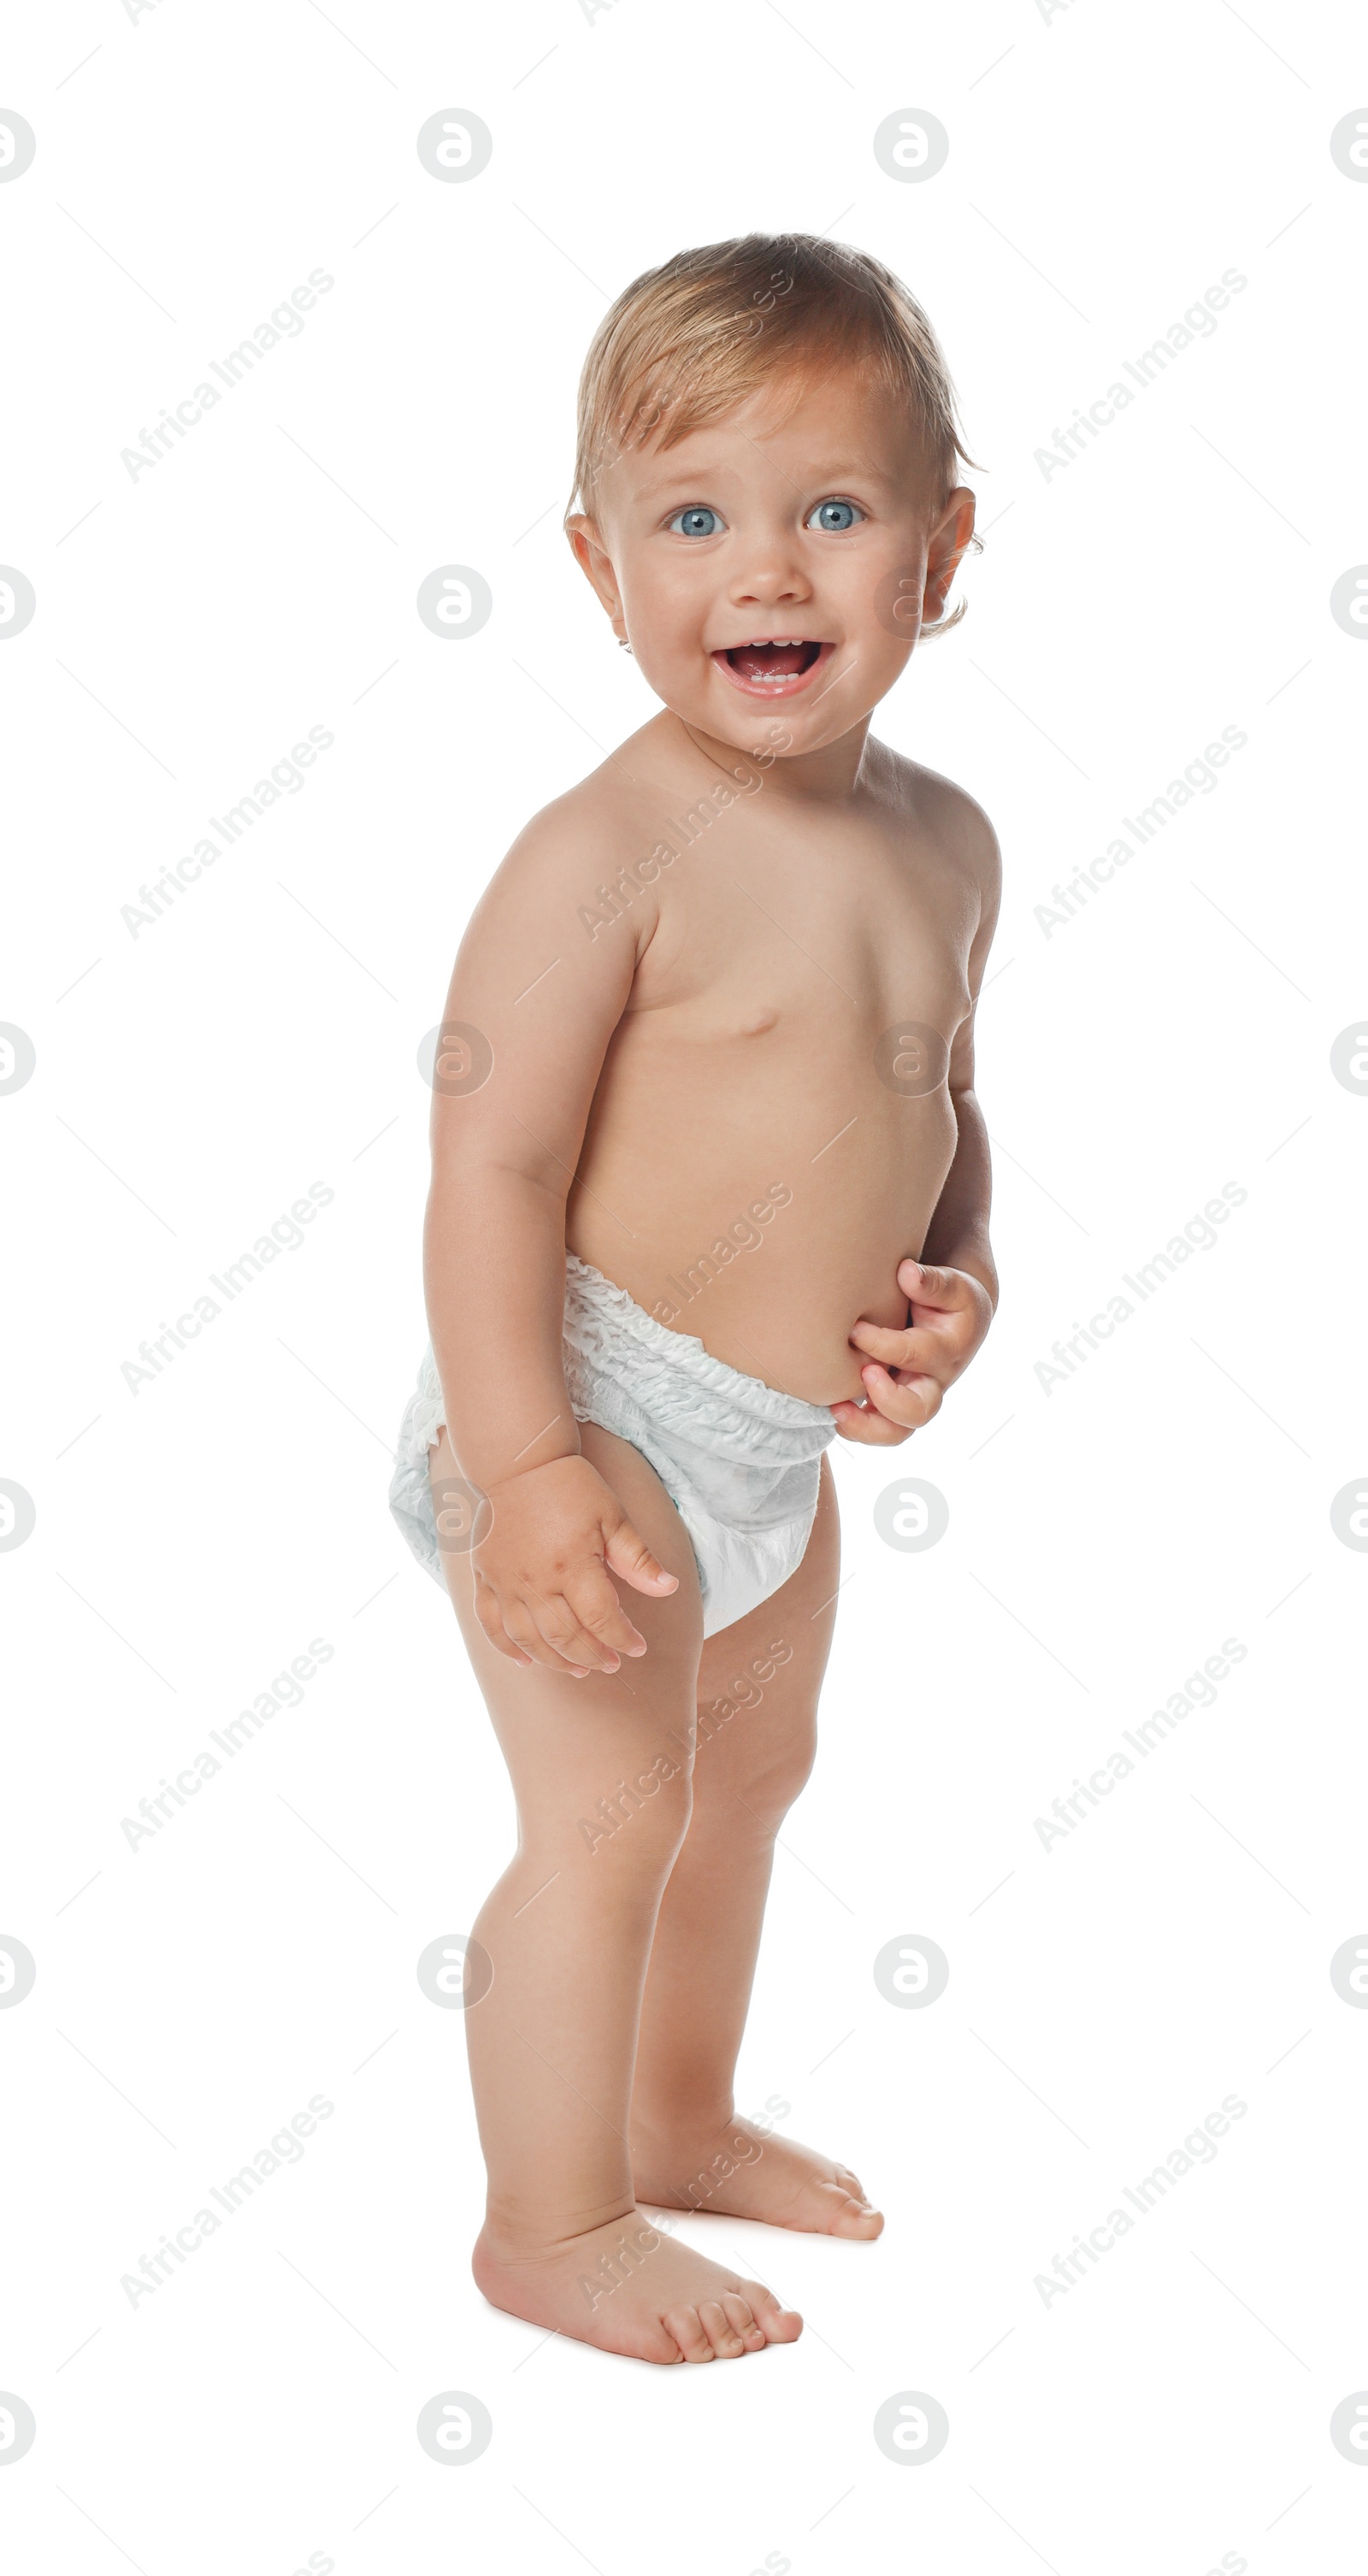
x,y
879,595
670,604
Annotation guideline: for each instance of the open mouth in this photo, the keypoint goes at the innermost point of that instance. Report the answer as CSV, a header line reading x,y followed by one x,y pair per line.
x,y
772,666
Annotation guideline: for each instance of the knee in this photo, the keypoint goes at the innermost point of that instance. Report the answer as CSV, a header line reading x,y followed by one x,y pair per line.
x,y
634,1834
776,1772
781,1781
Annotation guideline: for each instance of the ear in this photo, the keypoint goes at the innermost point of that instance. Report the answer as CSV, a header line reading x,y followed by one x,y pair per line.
x,y
596,564
949,542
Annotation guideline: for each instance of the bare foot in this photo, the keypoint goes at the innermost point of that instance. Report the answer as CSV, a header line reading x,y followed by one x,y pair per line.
x,y
631,2288
741,2172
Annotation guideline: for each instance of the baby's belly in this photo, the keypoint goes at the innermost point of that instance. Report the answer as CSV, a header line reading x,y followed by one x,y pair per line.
x,y
765,1247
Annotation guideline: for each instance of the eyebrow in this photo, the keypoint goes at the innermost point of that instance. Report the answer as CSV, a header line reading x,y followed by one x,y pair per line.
x,y
832,476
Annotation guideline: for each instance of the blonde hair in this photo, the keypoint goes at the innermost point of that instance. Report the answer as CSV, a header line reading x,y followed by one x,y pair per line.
x,y
687,342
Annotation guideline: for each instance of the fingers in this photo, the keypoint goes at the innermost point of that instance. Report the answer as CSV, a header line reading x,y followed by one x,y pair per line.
x,y
884,1342
630,1557
932,1350
595,1604
522,1624
867,1429
909,1401
487,1612
922,1283
582,1629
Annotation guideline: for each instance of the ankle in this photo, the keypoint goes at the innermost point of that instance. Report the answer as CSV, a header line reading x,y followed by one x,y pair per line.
x,y
698,2116
523,2233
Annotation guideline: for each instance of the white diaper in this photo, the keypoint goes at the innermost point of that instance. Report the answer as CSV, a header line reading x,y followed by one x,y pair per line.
x,y
739,1461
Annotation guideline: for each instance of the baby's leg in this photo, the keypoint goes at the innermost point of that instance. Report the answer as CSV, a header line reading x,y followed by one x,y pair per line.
x,y
568,1931
688,2148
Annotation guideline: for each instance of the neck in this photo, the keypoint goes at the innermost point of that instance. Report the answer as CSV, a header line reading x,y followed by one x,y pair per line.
x,y
830,772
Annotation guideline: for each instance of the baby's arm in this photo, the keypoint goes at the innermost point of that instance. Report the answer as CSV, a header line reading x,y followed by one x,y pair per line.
x,y
952,1290
503,1156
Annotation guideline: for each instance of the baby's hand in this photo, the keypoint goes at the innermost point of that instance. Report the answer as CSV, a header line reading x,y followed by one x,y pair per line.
x,y
542,1589
907,1373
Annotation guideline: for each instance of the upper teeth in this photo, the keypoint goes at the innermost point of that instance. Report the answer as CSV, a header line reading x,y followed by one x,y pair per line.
x,y
776,644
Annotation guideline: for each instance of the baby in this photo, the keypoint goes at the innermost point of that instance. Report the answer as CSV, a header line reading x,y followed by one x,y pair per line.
x,y
710,1186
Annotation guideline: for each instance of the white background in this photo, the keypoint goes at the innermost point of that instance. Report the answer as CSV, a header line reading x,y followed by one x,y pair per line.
x,y
1107,164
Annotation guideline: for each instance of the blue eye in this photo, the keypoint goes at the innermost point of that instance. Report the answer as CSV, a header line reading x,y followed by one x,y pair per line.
x,y
835,516
696,523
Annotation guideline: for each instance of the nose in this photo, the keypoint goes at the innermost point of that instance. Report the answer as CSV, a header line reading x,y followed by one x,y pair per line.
x,y
771,573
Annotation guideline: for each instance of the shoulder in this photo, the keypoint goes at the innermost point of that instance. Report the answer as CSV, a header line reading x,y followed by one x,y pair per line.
x,y
570,872
565,849
930,805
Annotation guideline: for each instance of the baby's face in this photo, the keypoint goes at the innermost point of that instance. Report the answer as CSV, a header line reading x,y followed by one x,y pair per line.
x,y
783,558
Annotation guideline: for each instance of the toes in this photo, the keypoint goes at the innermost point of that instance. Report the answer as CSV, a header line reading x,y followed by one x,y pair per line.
x,y
779,2325
852,2217
688,2331
742,2317
853,2214
724,2337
